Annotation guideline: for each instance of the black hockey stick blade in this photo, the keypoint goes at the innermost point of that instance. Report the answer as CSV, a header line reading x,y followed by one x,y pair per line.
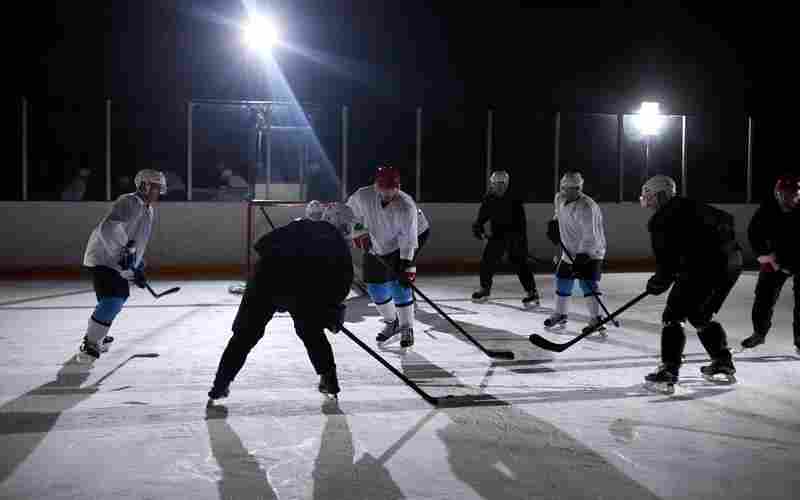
x,y
542,342
500,354
165,292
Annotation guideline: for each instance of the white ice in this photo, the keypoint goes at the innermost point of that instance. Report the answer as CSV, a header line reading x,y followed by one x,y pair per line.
x,y
576,424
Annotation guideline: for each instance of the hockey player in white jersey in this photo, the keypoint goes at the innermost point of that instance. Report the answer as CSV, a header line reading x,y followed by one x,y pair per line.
x,y
391,227
578,223
115,256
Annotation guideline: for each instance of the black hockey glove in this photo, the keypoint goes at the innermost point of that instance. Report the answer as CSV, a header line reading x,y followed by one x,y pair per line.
x,y
477,230
138,277
127,256
553,233
582,266
658,284
408,273
335,318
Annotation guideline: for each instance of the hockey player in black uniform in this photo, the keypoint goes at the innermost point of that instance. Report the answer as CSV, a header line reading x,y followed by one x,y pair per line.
x,y
304,268
697,254
774,234
508,234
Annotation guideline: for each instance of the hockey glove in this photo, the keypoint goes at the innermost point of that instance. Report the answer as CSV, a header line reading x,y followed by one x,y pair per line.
x,y
127,256
477,231
768,263
658,284
582,266
553,234
408,273
336,318
361,237
138,277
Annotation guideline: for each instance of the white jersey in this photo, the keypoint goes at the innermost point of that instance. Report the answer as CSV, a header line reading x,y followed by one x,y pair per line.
x,y
128,219
580,224
393,227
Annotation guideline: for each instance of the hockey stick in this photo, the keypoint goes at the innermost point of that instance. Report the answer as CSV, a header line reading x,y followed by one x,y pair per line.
x,y
427,397
542,342
266,216
595,294
165,292
489,352
111,372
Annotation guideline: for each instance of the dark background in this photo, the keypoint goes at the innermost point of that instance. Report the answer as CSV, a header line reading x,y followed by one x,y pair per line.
x,y
385,59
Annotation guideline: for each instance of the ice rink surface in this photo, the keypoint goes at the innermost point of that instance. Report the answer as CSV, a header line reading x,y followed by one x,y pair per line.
x,y
576,424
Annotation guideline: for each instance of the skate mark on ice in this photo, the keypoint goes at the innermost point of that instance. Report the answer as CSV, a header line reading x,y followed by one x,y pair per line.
x,y
625,430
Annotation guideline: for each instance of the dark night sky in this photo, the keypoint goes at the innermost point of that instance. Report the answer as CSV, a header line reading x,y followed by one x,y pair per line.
x,y
408,51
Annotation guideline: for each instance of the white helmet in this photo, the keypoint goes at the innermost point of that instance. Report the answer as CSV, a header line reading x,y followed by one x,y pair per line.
x,y
498,182
572,179
144,178
314,210
659,184
340,215
499,176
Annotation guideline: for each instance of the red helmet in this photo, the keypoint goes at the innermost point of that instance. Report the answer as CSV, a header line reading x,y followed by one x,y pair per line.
x,y
387,177
787,191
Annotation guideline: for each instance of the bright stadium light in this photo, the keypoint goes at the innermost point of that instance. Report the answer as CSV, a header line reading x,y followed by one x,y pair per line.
x,y
650,119
261,34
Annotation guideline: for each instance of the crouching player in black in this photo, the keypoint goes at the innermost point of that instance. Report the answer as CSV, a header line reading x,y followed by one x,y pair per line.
x,y
697,254
304,268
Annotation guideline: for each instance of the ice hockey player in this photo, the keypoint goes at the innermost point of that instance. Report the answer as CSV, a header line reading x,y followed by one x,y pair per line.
x,y
115,256
697,255
509,234
304,268
578,224
774,234
389,229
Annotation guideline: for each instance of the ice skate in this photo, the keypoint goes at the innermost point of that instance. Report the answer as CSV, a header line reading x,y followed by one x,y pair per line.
x,y
753,341
389,332
218,393
601,329
406,337
719,372
556,321
531,299
88,352
106,343
329,384
481,295
662,380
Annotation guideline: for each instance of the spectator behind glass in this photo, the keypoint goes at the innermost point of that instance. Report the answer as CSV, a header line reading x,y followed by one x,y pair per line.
x,y
123,185
76,189
176,187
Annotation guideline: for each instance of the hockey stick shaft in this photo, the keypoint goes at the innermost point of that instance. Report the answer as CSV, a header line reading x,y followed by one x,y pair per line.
x,y
594,294
488,352
427,397
266,216
113,370
542,342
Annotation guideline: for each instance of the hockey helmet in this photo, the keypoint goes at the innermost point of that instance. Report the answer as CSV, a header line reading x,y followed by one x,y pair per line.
x,y
387,177
787,191
147,177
